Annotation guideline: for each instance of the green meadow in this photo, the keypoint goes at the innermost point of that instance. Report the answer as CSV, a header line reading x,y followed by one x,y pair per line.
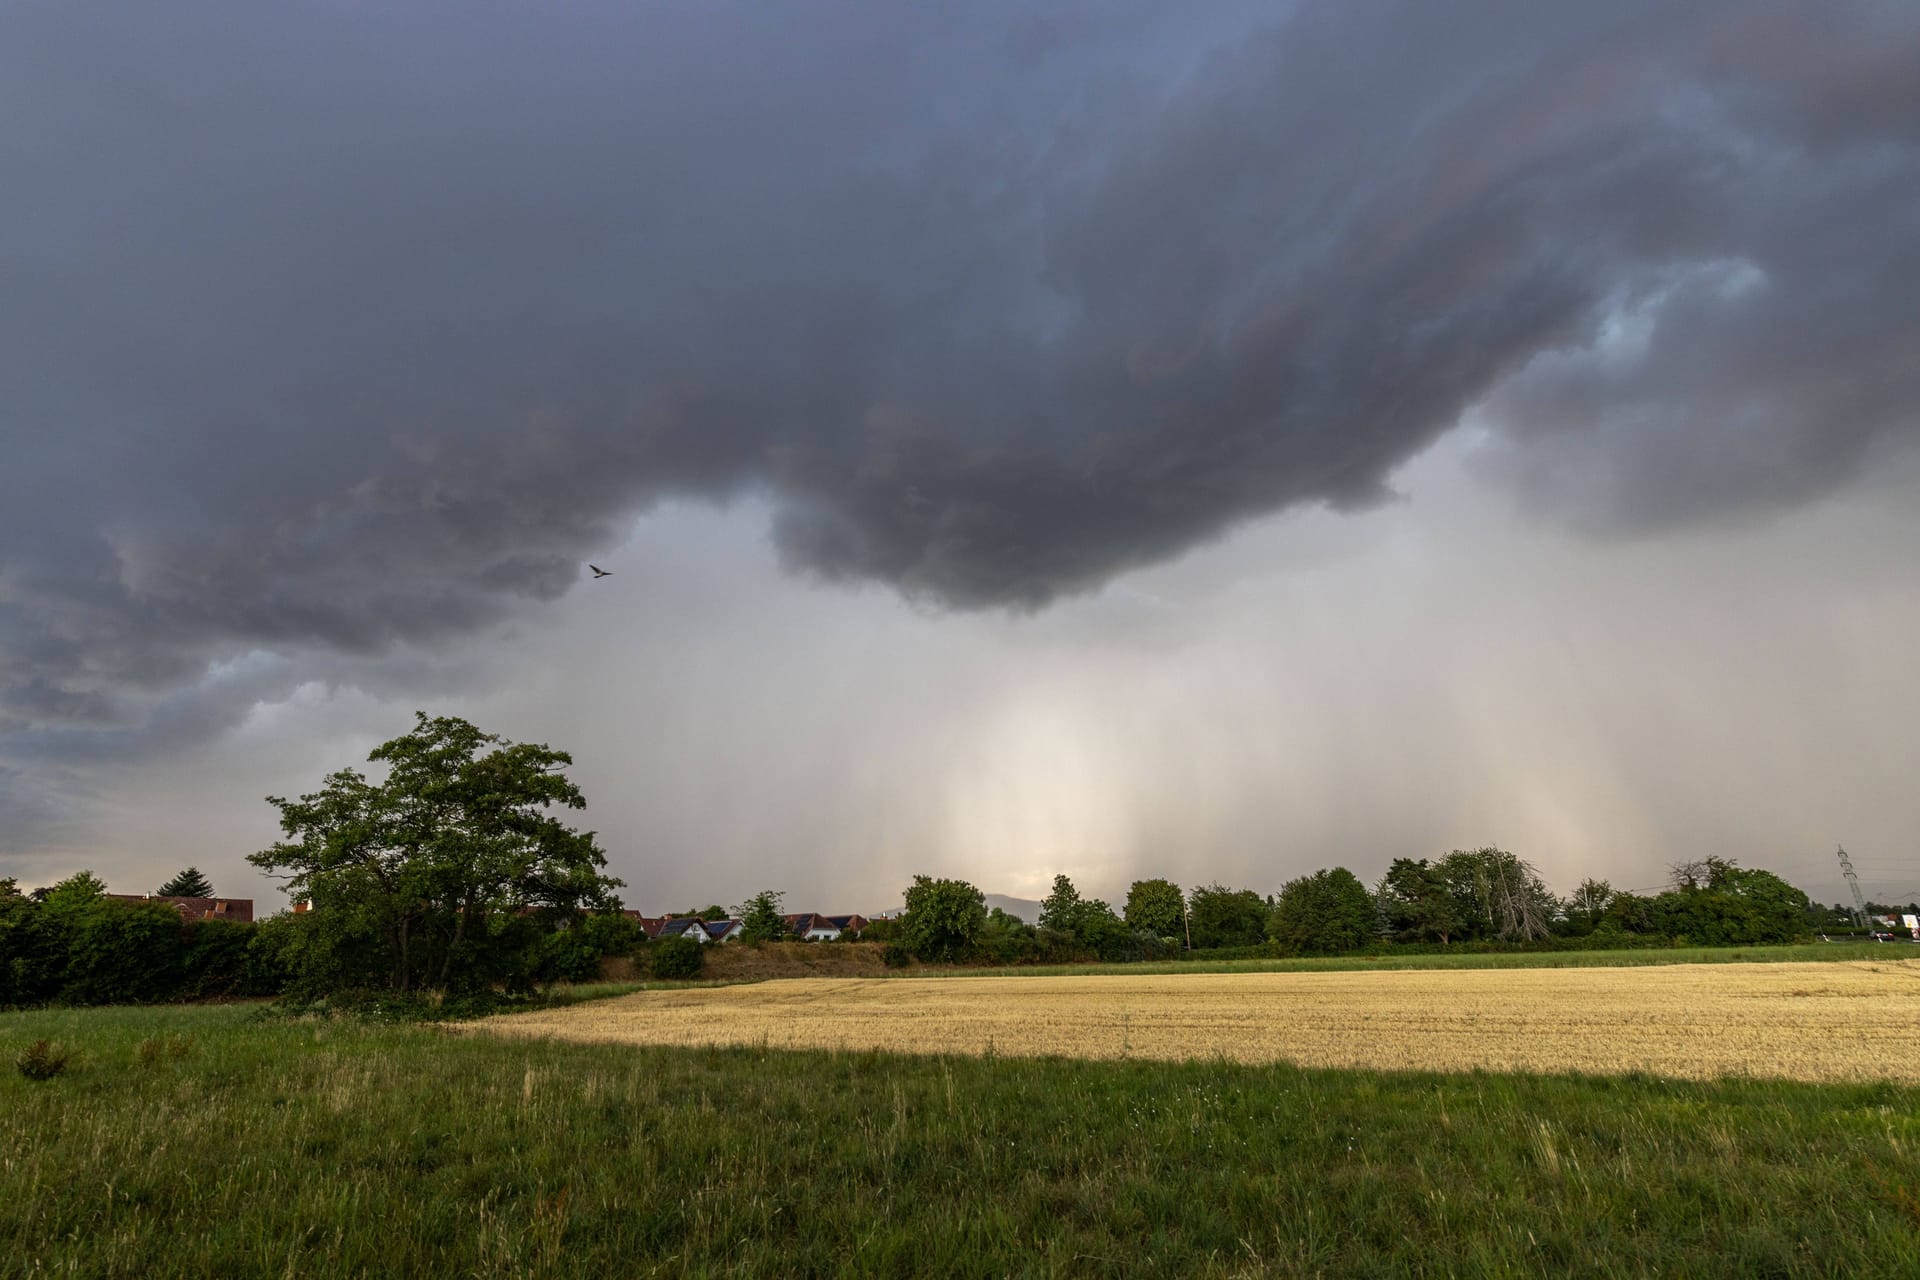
x,y
225,1140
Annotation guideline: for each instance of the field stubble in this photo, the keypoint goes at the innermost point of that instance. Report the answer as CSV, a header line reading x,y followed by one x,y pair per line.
x,y
1815,1022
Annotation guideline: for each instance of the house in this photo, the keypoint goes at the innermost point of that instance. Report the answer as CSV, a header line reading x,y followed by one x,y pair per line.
x,y
812,927
842,926
807,925
685,927
702,931
649,925
239,909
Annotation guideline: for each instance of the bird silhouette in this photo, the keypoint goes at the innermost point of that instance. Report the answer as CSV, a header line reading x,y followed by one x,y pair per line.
x,y
598,572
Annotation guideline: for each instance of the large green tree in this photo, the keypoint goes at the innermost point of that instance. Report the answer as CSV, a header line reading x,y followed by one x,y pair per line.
x,y
1725,904
1499,894
1060,910
442,874
1325,912
943,918
1156,907
1586,907
1418,903
1224,917
760,917
1087,924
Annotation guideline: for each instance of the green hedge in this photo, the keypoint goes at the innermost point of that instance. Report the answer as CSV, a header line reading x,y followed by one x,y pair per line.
x,y
73,945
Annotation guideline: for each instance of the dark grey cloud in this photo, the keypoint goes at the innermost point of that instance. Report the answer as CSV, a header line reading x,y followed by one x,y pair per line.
x,y
330,335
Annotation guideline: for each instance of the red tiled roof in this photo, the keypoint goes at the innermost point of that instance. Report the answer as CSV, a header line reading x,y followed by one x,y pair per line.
x,y
240,909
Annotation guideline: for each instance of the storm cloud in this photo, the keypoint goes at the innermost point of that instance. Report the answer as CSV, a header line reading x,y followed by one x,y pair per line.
x,y
329,336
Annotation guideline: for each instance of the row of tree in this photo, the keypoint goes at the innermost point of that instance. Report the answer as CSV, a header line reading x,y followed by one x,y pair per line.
x,y
1468,896
455,873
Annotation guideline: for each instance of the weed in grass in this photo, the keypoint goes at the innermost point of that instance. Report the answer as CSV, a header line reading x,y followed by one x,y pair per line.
x,y
42,1060
150,1051
1903,1197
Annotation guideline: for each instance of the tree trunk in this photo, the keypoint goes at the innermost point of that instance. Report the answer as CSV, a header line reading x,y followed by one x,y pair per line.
x,y
459,932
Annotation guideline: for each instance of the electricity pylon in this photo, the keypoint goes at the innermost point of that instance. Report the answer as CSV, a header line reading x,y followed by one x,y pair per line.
x,y
1853,883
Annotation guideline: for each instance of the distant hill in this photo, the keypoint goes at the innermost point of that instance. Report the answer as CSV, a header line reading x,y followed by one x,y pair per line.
x,y
1025,908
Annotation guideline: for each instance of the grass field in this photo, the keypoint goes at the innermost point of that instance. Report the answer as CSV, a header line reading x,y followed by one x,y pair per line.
x,y
247,1146
1849,1021
1806,953
735,963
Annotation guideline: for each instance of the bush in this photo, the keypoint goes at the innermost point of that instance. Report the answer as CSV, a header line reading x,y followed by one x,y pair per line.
x,y
41,1061
150,1050
676,958
895,956
573,953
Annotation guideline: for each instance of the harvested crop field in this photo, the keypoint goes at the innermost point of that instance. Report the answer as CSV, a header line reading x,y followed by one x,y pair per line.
x,y
1834,1022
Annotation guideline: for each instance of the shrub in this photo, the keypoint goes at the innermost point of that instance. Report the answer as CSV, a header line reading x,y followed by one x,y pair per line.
x,y
150,1050
895,956
573,951
676,958
41,1061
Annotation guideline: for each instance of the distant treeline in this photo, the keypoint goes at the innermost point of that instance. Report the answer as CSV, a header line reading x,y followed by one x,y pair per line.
x,y
72,944
453,874
1481,899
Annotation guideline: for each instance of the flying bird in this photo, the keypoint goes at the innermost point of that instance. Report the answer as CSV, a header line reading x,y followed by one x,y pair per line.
x,y
598,572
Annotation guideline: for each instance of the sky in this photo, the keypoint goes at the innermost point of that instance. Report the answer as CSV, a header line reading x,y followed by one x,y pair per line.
x,y
1115,439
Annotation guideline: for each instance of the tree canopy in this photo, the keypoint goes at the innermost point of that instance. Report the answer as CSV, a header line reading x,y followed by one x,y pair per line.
x,y
1725,904
1325,912
1224,917
1060,910
1156,907
188,883
441,874
1417,903
1498,894
760,917
1087,924
942,918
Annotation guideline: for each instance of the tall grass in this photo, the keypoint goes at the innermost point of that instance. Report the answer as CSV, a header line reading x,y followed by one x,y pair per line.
x,y
338,1147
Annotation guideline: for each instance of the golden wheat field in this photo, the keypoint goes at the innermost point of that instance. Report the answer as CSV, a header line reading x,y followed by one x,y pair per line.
x,y
1854,1021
